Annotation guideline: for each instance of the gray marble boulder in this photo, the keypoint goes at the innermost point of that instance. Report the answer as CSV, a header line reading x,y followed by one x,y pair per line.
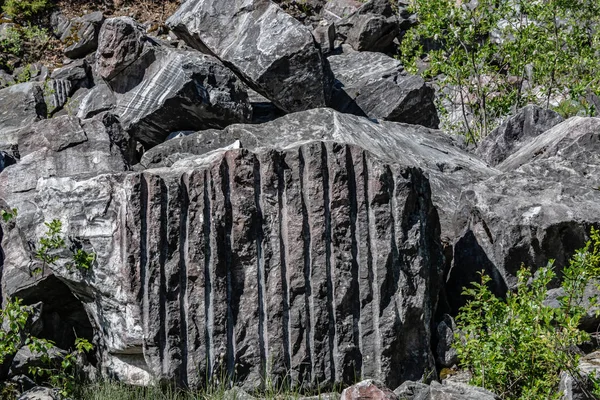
x,y
309,258
447,391
80,35
22,104
273,52
373,27
540,208
377,86
528,123
160,90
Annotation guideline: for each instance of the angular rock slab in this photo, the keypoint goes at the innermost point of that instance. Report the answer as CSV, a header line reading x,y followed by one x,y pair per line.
x,y
317,263
163,90
528,123
22,104
540,208
273,52
377,86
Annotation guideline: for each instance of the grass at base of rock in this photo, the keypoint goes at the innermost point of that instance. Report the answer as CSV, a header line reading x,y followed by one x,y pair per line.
x,y
118,391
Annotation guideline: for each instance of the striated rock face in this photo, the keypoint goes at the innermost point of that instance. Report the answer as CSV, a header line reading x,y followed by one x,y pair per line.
x,y
273,52
161,90
318,262
376,86
449,168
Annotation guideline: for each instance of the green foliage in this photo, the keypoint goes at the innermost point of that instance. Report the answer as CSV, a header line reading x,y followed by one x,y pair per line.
x,y
48,244
53,241
8,215
25,10
12,43
58,372
27,42
493,56
82,259
517,347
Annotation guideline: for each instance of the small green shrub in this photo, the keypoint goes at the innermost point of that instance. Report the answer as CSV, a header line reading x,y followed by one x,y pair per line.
x,y
518,347
54,241
59,373
25,10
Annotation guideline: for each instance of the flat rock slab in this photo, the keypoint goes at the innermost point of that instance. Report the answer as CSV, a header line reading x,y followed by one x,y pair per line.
x,y
377,86
273,52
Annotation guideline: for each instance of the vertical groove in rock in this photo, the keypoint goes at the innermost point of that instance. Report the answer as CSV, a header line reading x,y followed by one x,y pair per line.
x,y
260,269
162,258
372,269
142,295
208,278
283,249
307,247
354,285
183,278
228,227
329,264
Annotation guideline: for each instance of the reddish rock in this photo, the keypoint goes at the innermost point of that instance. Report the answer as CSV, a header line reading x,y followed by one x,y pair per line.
x,y
368,389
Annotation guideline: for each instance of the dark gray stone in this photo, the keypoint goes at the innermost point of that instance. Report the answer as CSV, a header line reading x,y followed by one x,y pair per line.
x,y
77,72
540,208
121,42
375,85
437,391
86,103
446,355
165,90
6,79
81,36
273,52
528,123
373,27
22,104
26,359
325,35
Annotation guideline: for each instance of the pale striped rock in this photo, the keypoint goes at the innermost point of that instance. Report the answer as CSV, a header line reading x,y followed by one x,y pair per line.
x,y
160,90
273,52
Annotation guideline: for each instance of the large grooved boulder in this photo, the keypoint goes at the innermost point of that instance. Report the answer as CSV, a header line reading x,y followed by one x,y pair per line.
x,y
160,90
377,86
274,53
318,261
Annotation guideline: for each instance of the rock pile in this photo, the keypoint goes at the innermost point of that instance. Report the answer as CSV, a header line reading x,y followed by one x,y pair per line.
x,y
318,246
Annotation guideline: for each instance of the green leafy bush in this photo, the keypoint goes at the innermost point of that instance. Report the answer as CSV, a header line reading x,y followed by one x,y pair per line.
x,y
52,242
518,347
491,57
25,10
60,373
